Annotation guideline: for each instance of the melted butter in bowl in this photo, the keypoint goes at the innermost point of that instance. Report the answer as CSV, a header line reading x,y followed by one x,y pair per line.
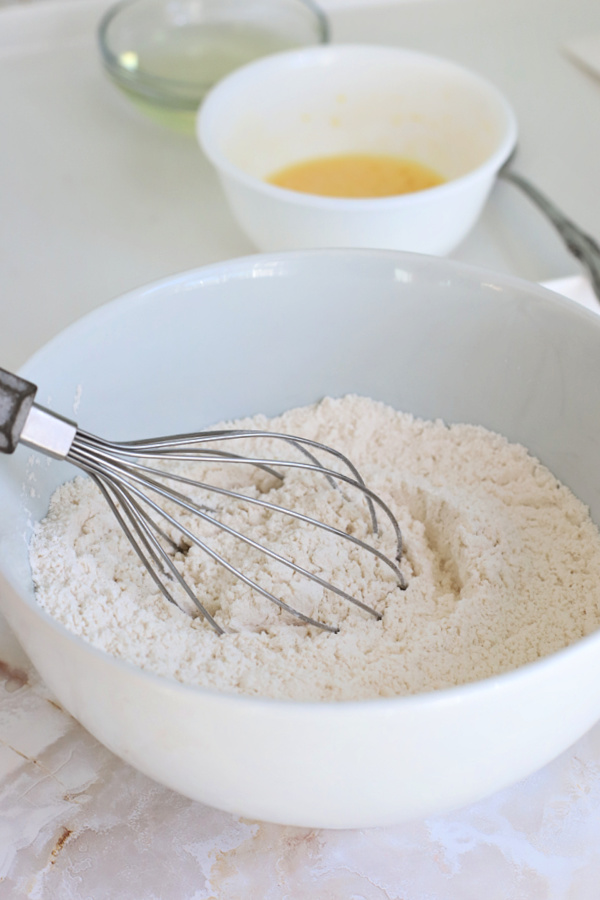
x,y
356,175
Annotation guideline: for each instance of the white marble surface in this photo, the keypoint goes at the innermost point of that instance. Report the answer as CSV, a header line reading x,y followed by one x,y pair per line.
x,y
76,822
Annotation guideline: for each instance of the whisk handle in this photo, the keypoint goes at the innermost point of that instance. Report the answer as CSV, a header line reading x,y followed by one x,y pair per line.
x,y
16,399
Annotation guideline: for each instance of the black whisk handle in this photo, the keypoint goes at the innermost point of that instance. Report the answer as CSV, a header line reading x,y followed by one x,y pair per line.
x,y
16,399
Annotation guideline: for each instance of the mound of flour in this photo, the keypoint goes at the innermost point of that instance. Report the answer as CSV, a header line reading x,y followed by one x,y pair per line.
x,y
502,564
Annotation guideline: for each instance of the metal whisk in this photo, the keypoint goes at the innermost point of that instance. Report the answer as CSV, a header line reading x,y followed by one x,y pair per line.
x,y
134,490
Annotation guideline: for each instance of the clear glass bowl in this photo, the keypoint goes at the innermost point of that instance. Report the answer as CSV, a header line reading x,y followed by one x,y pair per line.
x,y
166,54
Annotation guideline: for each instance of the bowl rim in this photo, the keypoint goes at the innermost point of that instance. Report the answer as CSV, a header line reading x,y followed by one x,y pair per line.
x,y
319,55
168,91
444,697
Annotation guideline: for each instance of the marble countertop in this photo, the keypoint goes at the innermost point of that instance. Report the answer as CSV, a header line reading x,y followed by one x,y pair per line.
x,y
75,821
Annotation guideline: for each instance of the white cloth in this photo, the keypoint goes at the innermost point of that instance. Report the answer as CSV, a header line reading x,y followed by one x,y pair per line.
x,y
576,288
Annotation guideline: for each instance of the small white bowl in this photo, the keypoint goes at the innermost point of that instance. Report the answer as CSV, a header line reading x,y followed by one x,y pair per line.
x,y
331,100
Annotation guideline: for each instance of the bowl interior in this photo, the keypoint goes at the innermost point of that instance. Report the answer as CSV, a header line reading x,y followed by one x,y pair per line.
x,y
355,99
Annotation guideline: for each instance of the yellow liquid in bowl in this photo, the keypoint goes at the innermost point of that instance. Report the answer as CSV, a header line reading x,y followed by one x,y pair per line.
x,y
356,175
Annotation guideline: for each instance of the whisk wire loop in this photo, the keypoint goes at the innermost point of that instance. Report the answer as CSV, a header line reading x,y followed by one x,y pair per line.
x,y
129,486
167,448
173,446
125,474
255,501
144,520
146,540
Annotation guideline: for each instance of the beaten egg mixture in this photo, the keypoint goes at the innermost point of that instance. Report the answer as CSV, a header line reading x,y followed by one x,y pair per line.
x,y
356,175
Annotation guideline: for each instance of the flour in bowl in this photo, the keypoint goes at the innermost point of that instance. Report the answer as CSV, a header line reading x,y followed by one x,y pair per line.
x,y
502,564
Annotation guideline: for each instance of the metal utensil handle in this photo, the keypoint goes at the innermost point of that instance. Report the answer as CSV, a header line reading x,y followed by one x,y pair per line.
x,y
24,422
16,399
581,245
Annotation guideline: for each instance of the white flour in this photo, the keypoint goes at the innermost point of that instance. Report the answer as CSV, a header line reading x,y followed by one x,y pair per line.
x,y
503,565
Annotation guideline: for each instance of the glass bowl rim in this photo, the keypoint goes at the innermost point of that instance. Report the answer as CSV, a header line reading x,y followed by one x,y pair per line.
x,y
173,92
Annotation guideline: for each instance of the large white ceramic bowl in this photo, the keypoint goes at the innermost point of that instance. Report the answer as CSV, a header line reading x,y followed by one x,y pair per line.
x,y
340,99
268,333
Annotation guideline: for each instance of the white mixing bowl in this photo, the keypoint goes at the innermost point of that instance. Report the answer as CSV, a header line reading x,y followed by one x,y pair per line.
x,y
264,334
356,99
